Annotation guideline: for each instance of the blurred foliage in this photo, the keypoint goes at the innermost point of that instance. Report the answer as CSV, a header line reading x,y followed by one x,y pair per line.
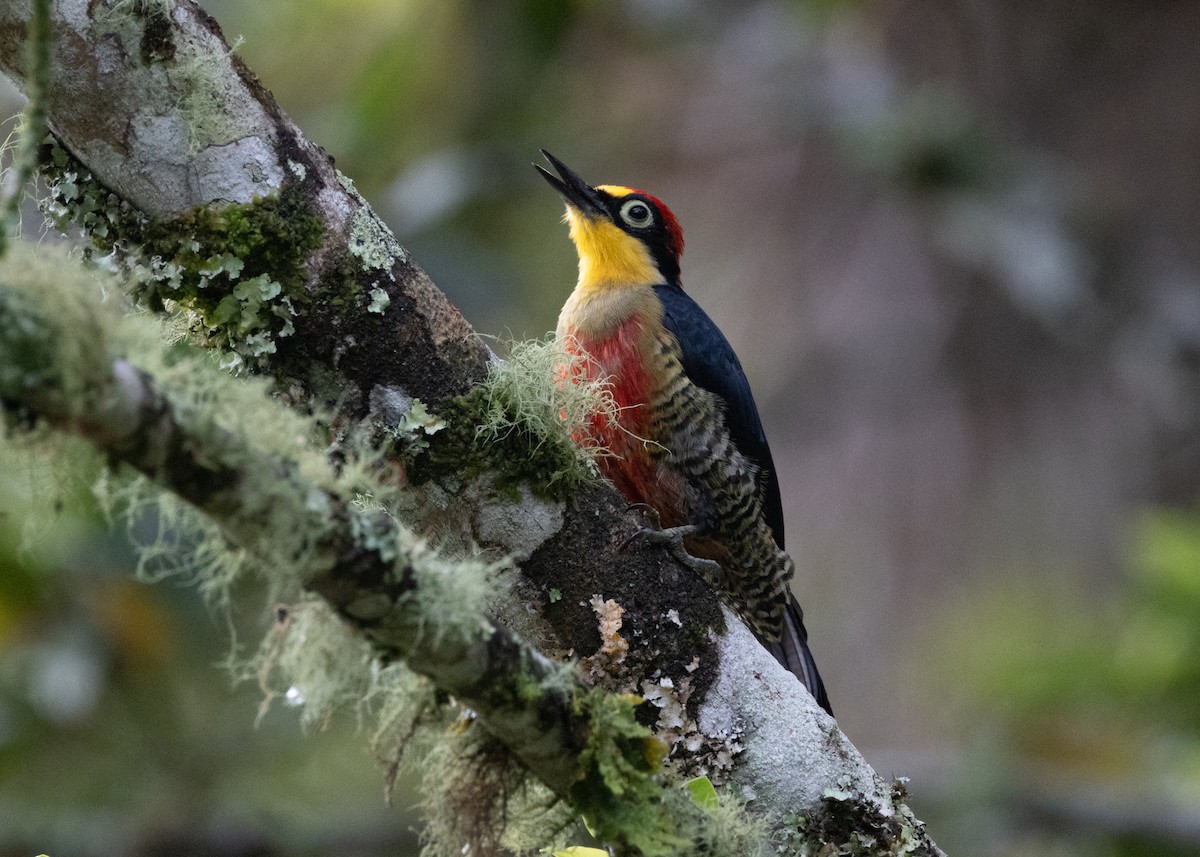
x,y
120,732
1064,690
932,141
1047,656
382,83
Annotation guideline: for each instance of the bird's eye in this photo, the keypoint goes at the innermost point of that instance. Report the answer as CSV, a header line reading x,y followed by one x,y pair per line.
x,y
636,213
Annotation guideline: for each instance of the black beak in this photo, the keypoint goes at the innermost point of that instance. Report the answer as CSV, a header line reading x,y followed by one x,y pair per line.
x,y
574,190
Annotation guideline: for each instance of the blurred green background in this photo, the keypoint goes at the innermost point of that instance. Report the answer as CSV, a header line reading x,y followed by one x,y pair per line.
x,y
955,245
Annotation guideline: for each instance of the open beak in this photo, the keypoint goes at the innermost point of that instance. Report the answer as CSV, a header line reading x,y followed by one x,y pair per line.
x,y
577,193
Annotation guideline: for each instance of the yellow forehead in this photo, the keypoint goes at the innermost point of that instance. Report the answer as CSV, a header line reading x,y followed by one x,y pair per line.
x,y
615,190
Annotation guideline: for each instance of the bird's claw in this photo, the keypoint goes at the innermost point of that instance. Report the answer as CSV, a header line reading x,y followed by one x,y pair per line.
x,y
652,523
648,513
672,539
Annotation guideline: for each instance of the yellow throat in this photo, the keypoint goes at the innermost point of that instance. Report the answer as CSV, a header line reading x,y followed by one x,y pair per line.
x,y
609,257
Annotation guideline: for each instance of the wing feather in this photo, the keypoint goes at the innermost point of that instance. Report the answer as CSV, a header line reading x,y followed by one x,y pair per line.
x,y
710,362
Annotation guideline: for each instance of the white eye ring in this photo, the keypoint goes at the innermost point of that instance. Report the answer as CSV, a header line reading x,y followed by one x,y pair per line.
x,y
637,213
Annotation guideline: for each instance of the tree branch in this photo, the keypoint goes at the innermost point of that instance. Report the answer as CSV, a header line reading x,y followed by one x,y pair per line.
x,y
176,161
364,564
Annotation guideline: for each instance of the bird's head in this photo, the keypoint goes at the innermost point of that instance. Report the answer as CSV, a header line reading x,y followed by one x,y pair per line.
x,y
624,237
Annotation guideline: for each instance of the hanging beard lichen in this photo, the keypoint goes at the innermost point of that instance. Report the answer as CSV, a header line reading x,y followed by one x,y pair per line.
x,y
60,341
475,793
524,425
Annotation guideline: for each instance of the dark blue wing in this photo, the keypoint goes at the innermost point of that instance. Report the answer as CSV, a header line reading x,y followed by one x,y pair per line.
x,y
710,363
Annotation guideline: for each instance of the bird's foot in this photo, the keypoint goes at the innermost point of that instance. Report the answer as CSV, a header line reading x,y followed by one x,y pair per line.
x,y
672,539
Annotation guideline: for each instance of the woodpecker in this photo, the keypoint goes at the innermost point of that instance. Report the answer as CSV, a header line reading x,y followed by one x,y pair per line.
x,y
688,442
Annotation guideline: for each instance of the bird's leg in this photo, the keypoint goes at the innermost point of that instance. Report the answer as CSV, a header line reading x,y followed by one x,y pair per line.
x,y
671,538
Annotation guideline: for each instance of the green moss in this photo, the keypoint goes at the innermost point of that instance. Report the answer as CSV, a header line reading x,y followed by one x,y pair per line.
x,y
650,816
236,264
617,792
522,426
518,457
240,267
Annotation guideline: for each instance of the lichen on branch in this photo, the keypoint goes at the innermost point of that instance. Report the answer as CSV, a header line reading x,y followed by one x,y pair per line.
x,y
521,426
408,601
240,269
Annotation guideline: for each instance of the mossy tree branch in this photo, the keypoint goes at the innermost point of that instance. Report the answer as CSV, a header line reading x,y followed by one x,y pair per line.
x,y
285,263
363,563
174,159
150,103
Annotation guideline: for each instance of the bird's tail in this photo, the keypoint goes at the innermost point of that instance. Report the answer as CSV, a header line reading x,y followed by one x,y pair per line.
x,y
791,650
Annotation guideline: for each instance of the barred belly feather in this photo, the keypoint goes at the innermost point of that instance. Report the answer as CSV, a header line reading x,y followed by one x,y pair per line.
x,y
722,497
672,451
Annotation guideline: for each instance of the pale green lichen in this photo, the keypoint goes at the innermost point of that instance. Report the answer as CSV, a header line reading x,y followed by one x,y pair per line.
x,y
453,595
239,269
380,301
417,424
80,334
65,297
206,96
45,497
693,752
314,662
477,795
526,424
171,538
372,242
52,336
348,185
76,197
310,659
